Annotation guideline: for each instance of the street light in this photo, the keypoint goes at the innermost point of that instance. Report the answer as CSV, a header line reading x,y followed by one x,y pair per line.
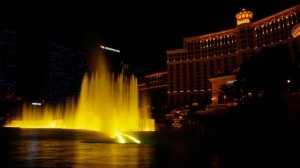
x,y
288,84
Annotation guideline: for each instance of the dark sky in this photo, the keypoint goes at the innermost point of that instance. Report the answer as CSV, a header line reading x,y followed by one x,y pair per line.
x,y
142,30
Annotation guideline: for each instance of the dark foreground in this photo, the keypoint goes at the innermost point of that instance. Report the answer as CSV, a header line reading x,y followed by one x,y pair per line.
x,y
74,148
168,147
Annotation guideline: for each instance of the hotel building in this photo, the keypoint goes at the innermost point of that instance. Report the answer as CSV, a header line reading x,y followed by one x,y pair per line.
x,y
221,53
154,86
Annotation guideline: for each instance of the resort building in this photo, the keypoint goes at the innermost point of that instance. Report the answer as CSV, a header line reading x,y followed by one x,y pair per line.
x,y
221,53
154,86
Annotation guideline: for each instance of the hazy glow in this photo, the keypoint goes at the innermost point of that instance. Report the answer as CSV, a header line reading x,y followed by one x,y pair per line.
x,y
131,137
296,31
231,81
120,138
108,104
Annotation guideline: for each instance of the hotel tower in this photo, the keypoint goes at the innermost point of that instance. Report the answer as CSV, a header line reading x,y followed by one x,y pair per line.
x,y
221,53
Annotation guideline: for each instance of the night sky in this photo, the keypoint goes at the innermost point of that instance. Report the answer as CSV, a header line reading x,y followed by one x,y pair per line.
x,y
142,30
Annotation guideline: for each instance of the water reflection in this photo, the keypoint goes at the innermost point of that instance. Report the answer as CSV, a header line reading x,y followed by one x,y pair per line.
x,y
73,148
113,155
62,148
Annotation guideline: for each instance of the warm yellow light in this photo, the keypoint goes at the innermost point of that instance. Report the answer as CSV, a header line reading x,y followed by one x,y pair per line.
x,y
296,31
106,103
244,17
121,139
132,138
239,22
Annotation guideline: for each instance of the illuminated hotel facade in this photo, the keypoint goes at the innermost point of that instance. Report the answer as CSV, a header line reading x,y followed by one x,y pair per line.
x,y
154,86
221,53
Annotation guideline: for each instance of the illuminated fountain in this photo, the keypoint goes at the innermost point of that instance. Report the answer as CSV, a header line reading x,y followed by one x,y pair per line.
x,y
107,103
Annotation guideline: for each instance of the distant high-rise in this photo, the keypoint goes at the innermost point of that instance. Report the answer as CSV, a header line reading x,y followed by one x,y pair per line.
x,y
66,67
116,63
8,70
221,53
113,58
8,54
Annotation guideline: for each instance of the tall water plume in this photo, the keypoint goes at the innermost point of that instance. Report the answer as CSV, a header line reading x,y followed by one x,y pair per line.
x,y
107,103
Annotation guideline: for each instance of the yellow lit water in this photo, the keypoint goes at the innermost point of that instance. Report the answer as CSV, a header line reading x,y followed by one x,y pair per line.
x,y
107,103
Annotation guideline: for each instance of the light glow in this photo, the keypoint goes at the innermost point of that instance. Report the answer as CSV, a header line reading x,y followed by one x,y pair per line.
x,y
243,17
231,81
296,31
110,49
132,138
36,104
121,139
107,103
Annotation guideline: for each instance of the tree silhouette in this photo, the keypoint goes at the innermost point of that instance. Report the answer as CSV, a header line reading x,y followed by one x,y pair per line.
x,y
267,74
261,118
268,71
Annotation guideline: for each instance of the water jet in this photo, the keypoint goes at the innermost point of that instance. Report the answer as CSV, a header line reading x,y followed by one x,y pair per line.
x,y
107,103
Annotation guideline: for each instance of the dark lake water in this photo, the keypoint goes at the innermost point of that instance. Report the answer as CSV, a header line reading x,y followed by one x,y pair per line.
x,y
175,148
75,148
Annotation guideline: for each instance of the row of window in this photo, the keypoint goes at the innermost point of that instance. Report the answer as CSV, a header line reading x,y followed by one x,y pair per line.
x,y
267,39
274,37
192,55
209,52
267,33
188,76
186,98
276,25
212,42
